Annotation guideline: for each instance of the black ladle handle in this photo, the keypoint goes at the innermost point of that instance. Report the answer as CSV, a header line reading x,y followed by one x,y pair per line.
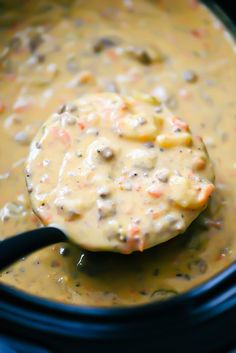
x,y
20,245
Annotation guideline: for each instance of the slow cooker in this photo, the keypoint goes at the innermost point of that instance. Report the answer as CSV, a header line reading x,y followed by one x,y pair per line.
x,y
201,320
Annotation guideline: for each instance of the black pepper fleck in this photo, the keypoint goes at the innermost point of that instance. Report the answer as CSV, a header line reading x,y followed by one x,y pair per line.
x,y
149,144
183,276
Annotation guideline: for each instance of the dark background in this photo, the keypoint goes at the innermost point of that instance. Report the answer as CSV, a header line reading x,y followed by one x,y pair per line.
x,y
229,6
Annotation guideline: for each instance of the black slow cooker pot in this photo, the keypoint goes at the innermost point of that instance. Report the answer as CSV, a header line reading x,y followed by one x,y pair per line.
x,y
202,320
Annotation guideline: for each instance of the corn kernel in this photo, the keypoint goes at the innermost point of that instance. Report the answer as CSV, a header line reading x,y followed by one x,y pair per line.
x,y
147,98
171,140
131,128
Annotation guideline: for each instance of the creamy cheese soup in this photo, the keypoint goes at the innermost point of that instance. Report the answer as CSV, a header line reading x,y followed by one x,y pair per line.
x,y
118,173
59,51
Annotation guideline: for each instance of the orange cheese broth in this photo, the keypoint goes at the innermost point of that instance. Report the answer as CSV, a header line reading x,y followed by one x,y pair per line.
x,y
195,75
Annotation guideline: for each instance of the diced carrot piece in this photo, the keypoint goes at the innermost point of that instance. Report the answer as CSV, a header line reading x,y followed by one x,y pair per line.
x,y
194,4
141,244
10,77
180,124
197,33
112,54
21,108
134,230
2,107
156,215
155,193
207,191
123,111
132,241
81,125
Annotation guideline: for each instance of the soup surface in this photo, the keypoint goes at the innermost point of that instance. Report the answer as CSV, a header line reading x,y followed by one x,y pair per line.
x,y
176,51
